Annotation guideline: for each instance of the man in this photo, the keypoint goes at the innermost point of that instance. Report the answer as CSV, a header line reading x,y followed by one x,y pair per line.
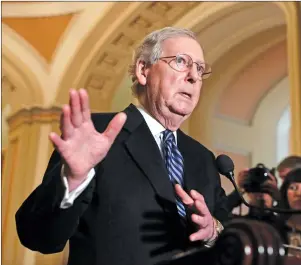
x,y
131,188
287,164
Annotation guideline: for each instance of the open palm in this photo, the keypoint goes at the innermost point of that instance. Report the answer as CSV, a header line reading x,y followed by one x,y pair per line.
x,y
81,146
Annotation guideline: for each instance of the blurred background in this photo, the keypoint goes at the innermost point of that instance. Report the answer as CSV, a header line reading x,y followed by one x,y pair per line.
x,y
250,107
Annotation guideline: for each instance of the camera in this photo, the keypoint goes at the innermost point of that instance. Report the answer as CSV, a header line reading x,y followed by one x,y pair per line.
x,y
255,177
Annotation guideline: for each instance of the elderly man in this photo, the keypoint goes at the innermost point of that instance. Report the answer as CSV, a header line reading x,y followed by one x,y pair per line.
x,y
131,188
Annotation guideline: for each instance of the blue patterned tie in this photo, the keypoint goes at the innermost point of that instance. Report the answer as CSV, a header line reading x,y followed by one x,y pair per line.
x,y
174,164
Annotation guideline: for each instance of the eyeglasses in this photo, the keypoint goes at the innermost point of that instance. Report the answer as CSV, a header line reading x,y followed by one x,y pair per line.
x,y
183,63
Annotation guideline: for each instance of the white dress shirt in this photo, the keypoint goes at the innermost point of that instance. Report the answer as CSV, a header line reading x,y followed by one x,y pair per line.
x,y
156,129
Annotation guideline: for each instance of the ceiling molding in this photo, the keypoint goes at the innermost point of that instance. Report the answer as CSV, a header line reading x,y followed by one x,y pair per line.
x,y
102,71
42,9
262,42
253,79
75,43
26,89
245,33
210,13
217,30
92,29
20,47
24,67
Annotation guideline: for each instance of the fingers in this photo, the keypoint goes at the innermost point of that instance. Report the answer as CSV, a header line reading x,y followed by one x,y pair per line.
x,y
206,227
115,126
85,108
201,207
200,216
185,198
199,220
241,178
74,114
243,172
202,234
66,126
75,107
57,141
197,196
195,201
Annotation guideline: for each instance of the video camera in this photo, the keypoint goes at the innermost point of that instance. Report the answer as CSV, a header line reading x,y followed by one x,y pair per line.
x,y
256,177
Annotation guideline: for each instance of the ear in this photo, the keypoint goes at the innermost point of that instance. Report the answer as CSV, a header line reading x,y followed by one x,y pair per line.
x,y
141,72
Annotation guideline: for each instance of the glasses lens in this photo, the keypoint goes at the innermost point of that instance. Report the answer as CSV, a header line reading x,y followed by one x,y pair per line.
x,y
183,62
205,70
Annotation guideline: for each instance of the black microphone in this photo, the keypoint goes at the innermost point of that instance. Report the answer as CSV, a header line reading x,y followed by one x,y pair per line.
x,y
225,167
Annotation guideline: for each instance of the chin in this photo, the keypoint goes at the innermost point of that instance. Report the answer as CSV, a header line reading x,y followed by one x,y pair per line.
x,y
296,205
182,109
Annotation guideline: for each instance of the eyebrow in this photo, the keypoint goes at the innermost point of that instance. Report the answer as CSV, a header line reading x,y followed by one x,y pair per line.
x,y
199,61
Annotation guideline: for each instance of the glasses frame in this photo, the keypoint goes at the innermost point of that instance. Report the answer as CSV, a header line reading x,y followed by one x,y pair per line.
x,y
203,76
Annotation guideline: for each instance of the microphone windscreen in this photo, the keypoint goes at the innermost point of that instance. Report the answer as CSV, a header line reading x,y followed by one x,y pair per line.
x,y
224,164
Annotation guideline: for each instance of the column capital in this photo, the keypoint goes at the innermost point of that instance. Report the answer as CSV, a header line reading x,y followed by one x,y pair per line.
x,y
35,114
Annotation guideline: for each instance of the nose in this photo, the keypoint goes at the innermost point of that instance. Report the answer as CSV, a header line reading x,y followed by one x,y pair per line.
x,y
298,192
193,75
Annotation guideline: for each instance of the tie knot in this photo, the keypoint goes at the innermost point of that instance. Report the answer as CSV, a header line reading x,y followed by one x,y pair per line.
x,y
168,136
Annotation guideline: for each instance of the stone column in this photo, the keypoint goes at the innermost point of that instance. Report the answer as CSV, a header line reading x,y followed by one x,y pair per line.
x,y
26,158
293,17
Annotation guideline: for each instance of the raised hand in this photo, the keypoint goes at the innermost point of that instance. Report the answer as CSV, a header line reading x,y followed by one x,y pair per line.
x,y
81,146
201,216
242,178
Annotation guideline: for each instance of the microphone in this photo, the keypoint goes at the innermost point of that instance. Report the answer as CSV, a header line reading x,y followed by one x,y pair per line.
x,y
225,167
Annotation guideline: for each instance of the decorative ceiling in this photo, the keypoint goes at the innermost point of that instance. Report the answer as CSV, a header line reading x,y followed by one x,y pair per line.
x,y
49,47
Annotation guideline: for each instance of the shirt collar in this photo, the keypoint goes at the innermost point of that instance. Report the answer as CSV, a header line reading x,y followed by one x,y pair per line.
x,y
155,127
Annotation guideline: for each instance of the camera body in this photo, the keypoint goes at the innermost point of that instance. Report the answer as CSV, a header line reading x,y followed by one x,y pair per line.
x,y
256,176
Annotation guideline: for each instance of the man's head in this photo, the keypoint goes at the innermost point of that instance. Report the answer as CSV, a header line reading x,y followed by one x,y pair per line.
x,y
167,73
287,164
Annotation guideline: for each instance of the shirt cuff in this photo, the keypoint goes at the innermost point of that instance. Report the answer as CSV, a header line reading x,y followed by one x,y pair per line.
x,y
69,197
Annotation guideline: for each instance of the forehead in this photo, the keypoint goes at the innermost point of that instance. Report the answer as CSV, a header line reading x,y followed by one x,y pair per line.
x,y
284,171
182,44
295,184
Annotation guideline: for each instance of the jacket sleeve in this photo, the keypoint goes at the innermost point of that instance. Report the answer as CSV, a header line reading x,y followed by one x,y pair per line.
x,y
41,224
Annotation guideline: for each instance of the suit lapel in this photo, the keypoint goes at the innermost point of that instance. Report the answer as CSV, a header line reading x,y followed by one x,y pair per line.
x,y
194,166
145,152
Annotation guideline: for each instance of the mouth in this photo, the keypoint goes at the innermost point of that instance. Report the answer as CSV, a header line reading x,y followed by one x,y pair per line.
x,y
186,95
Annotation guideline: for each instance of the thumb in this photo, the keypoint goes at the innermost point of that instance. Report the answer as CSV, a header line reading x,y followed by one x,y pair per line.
x,y
115,126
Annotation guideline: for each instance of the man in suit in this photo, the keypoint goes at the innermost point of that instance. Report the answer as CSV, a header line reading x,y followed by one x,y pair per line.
x,y
131,188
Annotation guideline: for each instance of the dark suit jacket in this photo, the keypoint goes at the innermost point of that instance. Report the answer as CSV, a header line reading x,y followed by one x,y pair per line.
x,y
127,215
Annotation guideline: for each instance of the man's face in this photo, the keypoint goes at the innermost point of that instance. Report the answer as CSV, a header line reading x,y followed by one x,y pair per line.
x,y
284,172
294,195
169,91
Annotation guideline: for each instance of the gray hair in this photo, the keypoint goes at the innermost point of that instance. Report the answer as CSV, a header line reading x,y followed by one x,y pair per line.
x,y
150,51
